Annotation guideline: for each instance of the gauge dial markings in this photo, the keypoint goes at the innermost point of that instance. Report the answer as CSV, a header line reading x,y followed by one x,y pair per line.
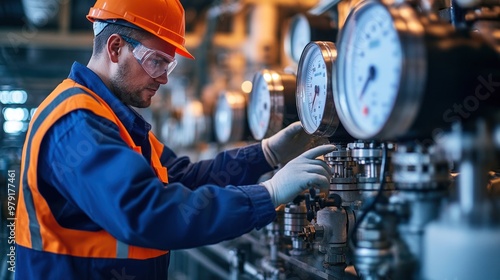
x,y
314,89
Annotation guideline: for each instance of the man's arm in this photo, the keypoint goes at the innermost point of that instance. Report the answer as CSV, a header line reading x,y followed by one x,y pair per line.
x,y
241,166
101,178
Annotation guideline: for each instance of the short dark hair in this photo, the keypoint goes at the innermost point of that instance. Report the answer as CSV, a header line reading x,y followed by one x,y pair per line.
x,y
110,29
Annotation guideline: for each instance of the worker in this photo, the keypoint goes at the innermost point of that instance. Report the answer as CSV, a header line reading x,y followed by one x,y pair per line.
x,y
102,198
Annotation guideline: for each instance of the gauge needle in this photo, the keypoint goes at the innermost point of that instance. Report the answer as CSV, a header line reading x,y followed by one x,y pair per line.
x,y
316,93
371,76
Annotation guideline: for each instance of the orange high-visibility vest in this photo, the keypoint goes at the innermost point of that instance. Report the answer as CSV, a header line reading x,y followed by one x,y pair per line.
x,y
36,226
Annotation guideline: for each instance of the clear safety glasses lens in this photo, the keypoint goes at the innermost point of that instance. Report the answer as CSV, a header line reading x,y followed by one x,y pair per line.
x,y
154,62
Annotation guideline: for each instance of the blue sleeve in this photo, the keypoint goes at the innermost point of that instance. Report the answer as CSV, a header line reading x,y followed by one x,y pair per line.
x,y
240,166
85,162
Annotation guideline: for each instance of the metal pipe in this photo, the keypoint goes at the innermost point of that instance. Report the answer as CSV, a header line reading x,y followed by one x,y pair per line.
x,y
261,42
207,263
222,252
471,186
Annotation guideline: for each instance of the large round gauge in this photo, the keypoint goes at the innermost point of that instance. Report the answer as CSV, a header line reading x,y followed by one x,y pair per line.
x,y
314,95
378,87
303,29
230,121
271,104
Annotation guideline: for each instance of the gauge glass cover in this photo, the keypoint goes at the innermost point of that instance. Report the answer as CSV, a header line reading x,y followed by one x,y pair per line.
x,y
312,91
259,110
370,70
299,36
223,120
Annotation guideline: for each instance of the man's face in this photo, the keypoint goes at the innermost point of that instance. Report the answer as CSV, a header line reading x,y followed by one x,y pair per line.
x,y
131,83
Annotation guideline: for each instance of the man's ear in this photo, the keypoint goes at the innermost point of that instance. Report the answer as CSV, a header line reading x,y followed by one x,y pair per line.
x,y
114,47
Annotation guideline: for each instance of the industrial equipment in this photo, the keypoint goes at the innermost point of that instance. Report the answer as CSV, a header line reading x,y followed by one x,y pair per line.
x,y
271,104
408,92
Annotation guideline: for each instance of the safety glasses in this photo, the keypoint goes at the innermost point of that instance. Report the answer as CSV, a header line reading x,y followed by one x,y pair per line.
x,y
154,62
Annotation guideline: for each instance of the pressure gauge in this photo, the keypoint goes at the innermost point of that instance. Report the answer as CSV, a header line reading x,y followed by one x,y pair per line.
x,y
404,75
377,84
194,123
271,104
314,95
230,121
304,28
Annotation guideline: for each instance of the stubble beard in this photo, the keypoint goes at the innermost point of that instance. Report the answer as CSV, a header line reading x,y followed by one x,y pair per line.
x,y
126,94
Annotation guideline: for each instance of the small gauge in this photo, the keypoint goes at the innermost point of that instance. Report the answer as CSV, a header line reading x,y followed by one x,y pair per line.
x,y
271,103
194,123
304,28
297,37
230,121
314,95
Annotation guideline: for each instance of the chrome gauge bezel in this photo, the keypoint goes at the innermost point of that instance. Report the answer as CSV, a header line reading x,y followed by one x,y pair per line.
x,y
329,118
410,92
277,86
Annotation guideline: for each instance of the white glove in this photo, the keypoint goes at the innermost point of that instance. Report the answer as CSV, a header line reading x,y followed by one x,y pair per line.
x,y
288,143
300,174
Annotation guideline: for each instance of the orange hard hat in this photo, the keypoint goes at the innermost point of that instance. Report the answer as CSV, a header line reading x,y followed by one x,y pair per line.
x,y
163,18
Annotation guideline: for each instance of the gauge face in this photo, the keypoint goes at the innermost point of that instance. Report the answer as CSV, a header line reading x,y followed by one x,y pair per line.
x,y
271,102
299,35
223,120
370,70
314,92
230,120
259,106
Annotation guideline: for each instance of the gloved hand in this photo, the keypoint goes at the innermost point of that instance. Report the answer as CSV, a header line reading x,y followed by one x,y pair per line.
x,y
301,173
288,143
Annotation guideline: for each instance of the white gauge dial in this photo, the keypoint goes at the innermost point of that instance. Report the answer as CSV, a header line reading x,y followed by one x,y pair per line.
x,y
370,70
230,117
313,97
223,120
373,79
271,104
259,110
304,28
314,89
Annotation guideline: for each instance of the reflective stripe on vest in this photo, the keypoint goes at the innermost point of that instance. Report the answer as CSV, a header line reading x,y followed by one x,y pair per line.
x,y
37,227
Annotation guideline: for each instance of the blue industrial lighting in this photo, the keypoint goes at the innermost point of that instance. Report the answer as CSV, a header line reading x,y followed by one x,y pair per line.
x,y
16,114
14,127
13,96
